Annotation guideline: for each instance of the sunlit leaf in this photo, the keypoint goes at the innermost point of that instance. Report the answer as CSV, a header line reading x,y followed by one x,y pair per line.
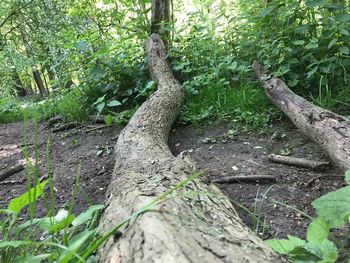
x,y
87,215
18,203
114,103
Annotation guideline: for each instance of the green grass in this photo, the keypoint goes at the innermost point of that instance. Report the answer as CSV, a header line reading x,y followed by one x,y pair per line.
x,y
336,101
70,106
246,104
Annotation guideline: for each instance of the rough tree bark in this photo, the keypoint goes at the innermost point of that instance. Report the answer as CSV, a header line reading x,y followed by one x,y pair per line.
x,y
329,130
160,14
203,227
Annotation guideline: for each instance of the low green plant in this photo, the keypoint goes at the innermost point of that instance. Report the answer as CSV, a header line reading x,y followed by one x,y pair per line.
x,y
60,236
64,236
333,213
71,107
246,105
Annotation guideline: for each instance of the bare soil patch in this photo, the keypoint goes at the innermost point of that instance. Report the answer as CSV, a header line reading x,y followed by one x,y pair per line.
x,y
218,150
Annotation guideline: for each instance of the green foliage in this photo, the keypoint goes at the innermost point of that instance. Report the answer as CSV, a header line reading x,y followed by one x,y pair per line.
x,y
334,207
303,42
64,237
18,203
71,106
333,211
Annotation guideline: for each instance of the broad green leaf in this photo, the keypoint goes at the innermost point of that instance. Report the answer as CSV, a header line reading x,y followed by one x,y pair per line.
x,y
74,245
284,246
58,222
100,99
14,243
315,3
311,45
18,203
266,11
344,32
100,107
344,50
325,250
32,259
334,206
108,119
114,103
333,41
87,215
318,230
302,255
62,224
342,17
233,66
298,42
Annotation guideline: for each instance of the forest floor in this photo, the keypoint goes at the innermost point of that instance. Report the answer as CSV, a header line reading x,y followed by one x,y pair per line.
x,y
217,150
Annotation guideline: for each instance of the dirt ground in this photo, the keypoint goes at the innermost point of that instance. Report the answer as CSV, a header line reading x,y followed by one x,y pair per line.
x,y
218,150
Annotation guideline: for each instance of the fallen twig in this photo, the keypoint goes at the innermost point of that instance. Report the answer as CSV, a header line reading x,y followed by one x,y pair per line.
x,y
65,127
53,120
97,128
300,162
244,178
11,171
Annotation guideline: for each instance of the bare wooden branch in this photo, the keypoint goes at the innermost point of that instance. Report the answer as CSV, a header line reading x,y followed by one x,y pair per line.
x,y
299,162
11,171
53,121
97,128
66,126
244,178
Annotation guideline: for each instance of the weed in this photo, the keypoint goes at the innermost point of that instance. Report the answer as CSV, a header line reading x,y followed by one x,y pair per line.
x,y
64,237
333,212
245,105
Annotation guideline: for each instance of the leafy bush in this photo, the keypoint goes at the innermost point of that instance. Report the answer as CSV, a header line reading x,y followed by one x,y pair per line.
x,y
333,212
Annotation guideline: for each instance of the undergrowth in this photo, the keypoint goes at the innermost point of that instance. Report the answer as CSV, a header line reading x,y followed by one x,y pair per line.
x,y
60,236
245,105
328,234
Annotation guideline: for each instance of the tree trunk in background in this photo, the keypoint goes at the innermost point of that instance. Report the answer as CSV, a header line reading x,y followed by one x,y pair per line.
x,y
160,15
201,226
36,73
329,130
39,82
19,87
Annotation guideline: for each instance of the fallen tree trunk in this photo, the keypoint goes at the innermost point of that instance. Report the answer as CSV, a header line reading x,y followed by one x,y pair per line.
x,y
329,130
203,227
